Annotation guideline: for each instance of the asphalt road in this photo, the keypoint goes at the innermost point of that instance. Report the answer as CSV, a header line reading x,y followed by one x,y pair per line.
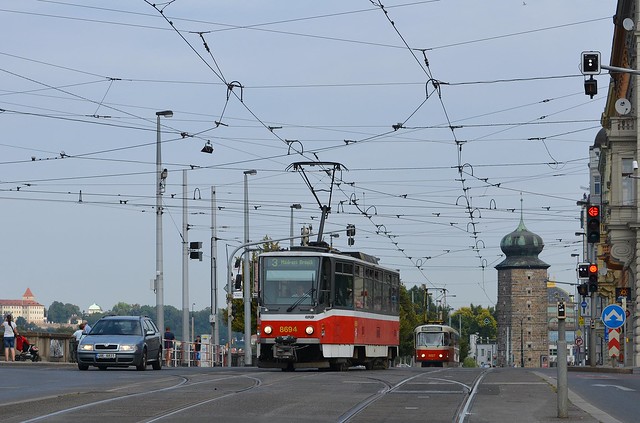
x,y
40,392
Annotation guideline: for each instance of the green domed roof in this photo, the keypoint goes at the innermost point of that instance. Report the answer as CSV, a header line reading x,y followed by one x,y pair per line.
x,y
521,248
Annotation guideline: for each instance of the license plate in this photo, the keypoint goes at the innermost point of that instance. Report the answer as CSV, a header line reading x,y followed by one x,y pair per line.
x,y
104,355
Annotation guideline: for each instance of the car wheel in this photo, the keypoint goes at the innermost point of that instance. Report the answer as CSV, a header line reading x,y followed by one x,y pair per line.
x,y
83,366
143,362
157,365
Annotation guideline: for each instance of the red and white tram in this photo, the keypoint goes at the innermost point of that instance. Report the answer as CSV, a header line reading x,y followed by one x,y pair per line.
x,y
437,345
320,308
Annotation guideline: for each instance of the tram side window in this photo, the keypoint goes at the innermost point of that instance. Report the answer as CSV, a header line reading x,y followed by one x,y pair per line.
x,y
386,293
368,289
394,293
358,283
344,285
377,291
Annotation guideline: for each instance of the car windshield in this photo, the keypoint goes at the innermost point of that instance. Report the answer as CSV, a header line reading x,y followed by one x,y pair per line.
x,y
117,327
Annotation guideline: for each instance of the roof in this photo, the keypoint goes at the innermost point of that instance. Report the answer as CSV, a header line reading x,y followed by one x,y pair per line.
x,y
521,248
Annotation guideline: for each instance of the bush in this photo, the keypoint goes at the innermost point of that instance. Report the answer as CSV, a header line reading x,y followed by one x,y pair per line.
x,y
469,362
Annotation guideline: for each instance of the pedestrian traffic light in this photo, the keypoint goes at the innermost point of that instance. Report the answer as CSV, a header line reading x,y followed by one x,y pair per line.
x,y
590,62
583,270
593,224
583,289
593,277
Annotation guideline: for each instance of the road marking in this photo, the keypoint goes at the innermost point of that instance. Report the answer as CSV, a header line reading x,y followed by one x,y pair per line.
x,y
622,388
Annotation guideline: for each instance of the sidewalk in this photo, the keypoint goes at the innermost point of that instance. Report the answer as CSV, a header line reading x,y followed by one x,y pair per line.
x,y
523,396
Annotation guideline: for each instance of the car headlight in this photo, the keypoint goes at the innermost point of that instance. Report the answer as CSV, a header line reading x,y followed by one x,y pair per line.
x,y
267,330
128,348
309,330
86,347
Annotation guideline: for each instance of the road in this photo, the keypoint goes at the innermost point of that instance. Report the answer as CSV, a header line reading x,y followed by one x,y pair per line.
x,y
56,393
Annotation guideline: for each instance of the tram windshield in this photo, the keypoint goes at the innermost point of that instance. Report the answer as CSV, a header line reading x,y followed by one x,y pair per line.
x,y
288,281
431,339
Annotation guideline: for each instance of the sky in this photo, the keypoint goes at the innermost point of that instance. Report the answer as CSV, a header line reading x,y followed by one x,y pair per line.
x,y
448,119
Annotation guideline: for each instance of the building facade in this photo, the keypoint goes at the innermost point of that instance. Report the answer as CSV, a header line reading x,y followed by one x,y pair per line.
x,y
614,186
28,308
522,301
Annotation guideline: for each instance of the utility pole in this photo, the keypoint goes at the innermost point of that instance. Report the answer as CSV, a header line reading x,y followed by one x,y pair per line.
x,y
213,318
563,390
185,273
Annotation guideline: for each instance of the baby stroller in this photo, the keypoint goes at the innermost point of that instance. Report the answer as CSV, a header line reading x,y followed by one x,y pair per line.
x,y
26,351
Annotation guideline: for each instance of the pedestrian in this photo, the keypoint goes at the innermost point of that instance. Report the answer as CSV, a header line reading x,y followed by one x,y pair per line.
x,y
10,333
198,346
78,334
87,328
169,339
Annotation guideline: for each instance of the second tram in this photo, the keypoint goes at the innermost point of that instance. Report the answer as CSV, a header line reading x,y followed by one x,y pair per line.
x,y
437,345
320,308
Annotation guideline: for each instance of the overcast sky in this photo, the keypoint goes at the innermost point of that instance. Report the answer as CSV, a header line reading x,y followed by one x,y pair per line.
x,y
446,117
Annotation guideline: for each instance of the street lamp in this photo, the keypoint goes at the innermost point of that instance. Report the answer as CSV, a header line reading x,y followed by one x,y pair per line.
x,y
247,293
297,207
161,176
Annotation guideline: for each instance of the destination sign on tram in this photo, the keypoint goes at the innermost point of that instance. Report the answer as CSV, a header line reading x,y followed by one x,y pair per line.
x,y
291,262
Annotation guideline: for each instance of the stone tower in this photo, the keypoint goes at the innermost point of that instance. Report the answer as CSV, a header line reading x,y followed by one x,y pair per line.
x,y
522,300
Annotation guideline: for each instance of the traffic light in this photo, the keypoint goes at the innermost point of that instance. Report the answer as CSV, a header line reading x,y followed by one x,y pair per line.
x,y
593,277
194,251
234,308
590,87
591,63
562,311
583,289
351,232
583,270
305,232
237,285
593,224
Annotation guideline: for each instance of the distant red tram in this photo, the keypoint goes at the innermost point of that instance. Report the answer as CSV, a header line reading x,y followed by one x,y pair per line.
x,y
437,346
320,308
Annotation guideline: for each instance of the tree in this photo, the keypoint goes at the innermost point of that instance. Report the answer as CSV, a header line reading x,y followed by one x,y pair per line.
x,y
237,324
409,319
475,320
61,313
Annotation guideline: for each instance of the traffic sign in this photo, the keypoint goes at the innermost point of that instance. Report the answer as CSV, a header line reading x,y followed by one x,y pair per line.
x,y
579,341
613,316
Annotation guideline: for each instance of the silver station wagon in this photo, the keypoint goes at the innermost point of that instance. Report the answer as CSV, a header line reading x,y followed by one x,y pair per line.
x,y
121,341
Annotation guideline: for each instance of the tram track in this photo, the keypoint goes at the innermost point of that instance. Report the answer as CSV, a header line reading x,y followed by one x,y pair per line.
x,y
467,391
119,397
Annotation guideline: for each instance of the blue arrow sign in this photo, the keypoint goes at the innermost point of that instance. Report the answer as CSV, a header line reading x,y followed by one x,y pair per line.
x,y
613,316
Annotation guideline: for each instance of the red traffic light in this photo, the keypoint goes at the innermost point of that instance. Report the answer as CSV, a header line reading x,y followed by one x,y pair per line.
x,y
593,211
593,269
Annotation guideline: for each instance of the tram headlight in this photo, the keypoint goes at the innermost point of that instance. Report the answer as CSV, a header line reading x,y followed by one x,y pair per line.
x,y
267,330
309,330
440,355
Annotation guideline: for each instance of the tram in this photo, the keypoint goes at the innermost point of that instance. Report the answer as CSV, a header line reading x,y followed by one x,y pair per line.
x,y
437,345
321,308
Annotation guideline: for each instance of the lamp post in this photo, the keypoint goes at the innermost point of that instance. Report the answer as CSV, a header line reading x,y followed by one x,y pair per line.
x,y
161,176
297,207
247,279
